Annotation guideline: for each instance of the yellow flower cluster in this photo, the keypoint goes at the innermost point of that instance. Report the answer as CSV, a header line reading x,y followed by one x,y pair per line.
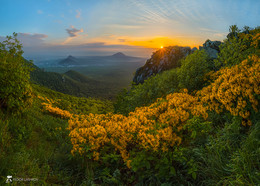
x,y
256,39
159,127
50,101
48,106
156,127
57,111
234,89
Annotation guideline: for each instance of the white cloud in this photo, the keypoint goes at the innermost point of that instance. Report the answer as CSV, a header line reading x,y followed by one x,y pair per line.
x,y
73,32
28,39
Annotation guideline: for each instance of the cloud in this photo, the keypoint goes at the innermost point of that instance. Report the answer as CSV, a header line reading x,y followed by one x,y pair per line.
x,y
28,39
87,49
122,40
34,46
220,35
78,15
39,12
73,32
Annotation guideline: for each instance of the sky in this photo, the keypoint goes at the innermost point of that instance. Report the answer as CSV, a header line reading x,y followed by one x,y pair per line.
x,y
135,27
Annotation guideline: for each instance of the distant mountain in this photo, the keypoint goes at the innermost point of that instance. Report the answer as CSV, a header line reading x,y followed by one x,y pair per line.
x,y
99,60
119,55
70,60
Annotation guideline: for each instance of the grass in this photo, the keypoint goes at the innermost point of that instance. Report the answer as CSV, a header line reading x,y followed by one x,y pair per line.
x,y
36,145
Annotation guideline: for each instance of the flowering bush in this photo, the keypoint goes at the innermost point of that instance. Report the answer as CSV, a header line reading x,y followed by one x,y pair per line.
x,y
153,128
235,89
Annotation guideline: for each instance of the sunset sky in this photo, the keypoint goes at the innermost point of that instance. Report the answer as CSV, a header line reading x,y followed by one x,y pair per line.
x,y
135,27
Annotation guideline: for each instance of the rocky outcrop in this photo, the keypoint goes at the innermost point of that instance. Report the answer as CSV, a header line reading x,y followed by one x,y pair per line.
x,y
161,60
169,57
212,48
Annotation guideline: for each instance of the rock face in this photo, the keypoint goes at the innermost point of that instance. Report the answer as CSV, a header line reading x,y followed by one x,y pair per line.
x,y
161,60
169,57
212,48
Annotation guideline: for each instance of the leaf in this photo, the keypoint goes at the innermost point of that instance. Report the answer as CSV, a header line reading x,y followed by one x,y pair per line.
x,y
148,165
173,171
193,134
194,175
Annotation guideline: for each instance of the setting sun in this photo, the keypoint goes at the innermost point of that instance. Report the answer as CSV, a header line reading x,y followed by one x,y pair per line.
x,y
161,46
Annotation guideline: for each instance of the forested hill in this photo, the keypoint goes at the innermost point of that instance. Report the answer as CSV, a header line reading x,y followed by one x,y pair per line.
x,y
197,123
73,83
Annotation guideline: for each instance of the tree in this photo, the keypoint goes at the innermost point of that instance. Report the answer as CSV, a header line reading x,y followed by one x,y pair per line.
x,y
234,29
15,88
192,70
236,49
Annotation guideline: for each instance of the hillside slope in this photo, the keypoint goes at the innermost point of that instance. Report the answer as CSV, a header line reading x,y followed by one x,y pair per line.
x,y
71,82
36,143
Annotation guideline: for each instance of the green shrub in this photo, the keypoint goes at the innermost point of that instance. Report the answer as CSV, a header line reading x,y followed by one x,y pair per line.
x,y
192,70
237,47
144,94
15,88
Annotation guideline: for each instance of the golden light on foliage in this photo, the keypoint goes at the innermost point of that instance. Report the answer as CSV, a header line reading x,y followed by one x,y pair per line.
x,y
163,125
160,126
235,89
157,127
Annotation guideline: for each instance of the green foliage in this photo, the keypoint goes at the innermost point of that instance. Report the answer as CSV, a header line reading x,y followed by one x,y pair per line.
x,y
235,49
71,82
190,75
36,145
144,94
233,29
76,105
174,167
198,129
231,157
15,88
192,70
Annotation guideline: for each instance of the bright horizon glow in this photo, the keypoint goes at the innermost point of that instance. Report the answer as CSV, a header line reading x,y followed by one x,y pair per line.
x,y
161,46
76,27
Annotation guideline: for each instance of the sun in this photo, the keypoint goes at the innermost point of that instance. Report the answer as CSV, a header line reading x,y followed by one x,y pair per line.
x,y
161,46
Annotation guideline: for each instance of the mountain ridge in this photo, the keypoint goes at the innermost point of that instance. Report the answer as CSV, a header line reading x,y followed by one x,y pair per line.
x,y
92,60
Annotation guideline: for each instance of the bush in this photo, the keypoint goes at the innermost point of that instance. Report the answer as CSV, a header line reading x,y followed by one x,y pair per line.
x,y
192,70
144,94
15,88
237,47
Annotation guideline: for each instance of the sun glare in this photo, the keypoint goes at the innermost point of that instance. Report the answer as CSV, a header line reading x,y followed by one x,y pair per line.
x,y
161,46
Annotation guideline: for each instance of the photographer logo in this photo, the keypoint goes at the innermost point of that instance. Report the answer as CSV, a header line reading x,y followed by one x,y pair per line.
x,y
9,179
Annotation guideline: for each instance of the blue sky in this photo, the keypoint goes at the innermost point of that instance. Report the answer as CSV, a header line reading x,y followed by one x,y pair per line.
x,y
136,27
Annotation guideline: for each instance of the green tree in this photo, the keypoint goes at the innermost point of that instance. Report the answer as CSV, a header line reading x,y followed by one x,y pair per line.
x,y
15,88
234,29
192,70
235,49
